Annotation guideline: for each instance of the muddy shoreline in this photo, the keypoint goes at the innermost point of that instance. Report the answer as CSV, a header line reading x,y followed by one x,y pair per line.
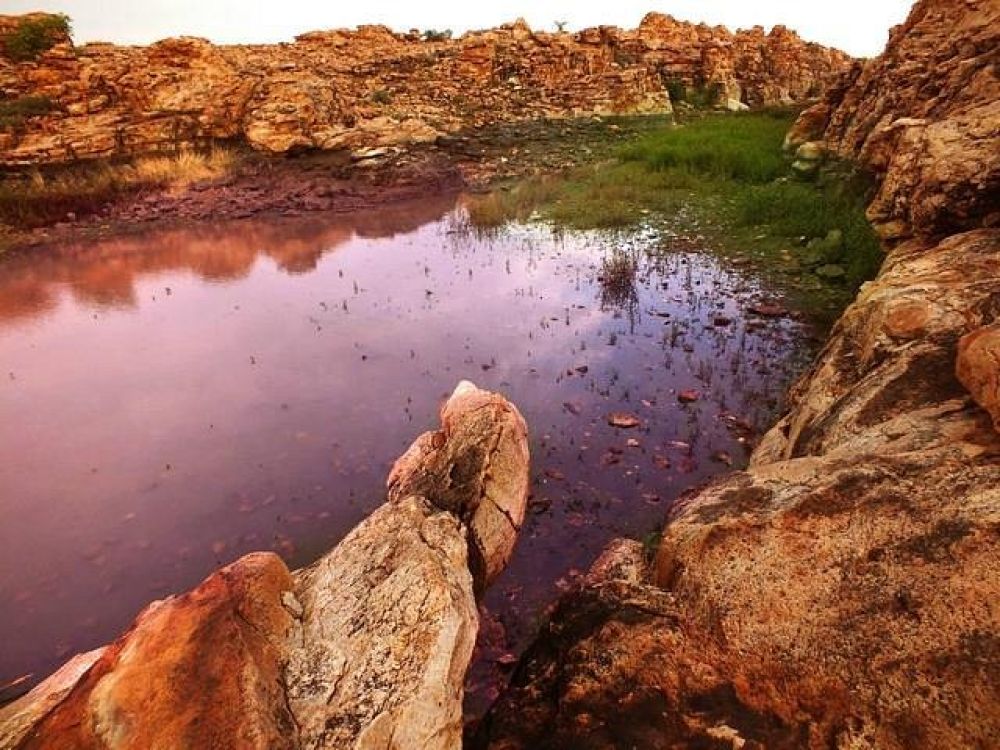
x,y
261,186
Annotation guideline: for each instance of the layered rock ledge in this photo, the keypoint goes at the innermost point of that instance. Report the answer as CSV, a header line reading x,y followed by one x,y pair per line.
x,y
373,87
843,592
366,648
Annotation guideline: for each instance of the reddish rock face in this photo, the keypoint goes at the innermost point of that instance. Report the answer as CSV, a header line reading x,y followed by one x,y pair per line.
x,y
371,87
925,118
223,641
978,367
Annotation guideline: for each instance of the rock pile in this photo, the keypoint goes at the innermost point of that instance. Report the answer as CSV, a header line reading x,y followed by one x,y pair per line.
x,y
371,87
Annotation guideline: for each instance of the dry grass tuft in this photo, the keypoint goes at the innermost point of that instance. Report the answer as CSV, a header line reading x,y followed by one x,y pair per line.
x,y
38,199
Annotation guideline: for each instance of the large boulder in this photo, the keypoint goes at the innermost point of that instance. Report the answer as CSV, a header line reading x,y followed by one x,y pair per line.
x,y
366,648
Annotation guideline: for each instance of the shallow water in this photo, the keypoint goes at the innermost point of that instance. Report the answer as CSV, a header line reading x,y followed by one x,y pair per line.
x,y
173,400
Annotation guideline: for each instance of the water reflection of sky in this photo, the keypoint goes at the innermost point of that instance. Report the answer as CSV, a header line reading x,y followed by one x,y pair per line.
x,y
171,401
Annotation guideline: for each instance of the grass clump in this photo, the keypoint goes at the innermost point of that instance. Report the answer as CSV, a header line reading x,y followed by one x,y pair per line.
x,y
617,279
34,35
829,217
742,147
39,199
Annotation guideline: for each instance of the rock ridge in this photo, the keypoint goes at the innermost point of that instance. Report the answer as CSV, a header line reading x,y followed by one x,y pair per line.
x,y
370,87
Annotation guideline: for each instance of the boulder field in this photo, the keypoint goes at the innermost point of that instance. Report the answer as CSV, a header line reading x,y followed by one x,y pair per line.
x,y
371,87
844,591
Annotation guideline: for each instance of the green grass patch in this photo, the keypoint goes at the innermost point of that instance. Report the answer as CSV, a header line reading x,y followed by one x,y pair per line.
x,y
734,147
721,175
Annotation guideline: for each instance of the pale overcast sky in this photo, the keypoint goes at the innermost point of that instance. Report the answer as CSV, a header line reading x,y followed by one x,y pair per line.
x,y
857,26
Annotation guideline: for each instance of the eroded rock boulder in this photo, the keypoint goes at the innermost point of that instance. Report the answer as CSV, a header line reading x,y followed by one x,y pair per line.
x,y
367,648
978,368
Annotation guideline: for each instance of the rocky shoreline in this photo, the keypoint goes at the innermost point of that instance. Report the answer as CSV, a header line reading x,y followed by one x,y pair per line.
x,y
841,592
368,647
261,186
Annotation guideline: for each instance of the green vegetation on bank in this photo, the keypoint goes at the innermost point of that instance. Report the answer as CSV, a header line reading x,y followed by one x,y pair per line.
x,y
725,176
34,35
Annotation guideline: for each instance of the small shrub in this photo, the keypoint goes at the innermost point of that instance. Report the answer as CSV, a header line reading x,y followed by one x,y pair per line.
x,y
382,96
35,35
14,113
433,35
677,91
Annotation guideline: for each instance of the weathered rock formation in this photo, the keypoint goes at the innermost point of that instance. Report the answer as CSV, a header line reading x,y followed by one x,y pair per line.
x,y
925,118
372,87
843,592
367,648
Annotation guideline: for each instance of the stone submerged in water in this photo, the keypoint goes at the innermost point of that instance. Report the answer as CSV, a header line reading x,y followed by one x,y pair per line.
x,y
366,648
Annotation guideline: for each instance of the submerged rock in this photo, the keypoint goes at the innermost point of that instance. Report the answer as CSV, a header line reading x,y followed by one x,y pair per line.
x,y
367,648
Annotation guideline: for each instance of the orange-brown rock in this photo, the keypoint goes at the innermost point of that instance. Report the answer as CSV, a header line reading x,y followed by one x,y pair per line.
x,y
842,592
978,367
370,86
366,648
925,118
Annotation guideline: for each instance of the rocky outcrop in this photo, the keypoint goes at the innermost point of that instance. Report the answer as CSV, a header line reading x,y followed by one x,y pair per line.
x,y
925,118
842,591
372,87
367,648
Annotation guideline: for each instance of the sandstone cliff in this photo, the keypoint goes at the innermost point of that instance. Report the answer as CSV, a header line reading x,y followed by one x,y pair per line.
x,y
372,87
367,648
843,592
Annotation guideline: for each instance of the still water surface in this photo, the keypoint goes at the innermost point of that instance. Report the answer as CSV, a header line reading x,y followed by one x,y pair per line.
x,y
172,400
